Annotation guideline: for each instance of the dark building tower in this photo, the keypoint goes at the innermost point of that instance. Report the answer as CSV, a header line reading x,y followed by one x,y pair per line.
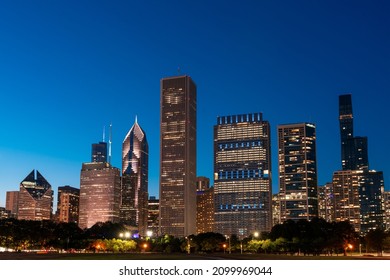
x,y
204,206
242,175
35,201
134,204
68,204
99,152
178,156
354,151
297,171
11,203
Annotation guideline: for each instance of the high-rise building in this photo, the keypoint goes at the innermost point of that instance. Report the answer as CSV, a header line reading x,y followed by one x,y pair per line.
x,y
297,171
134,201
275,209
178,156
204,206
100,190
242,175
4,213
153,214
35,201
354,150
387,210
99,152
358,198
68,204
325,202
11,203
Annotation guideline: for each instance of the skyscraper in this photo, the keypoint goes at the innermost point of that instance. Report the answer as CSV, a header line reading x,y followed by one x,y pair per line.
x,y
204,206
297,171
35,201
11,203
325,202
153,214
242,175
100,190
68,204
99,152
178,156
354,150
134,202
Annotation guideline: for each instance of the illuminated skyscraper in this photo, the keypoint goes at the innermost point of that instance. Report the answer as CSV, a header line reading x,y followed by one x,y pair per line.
x,y
35,201
134,202
68,204
204,205
297,171
153,214
325,202
242,175
178,156
100,190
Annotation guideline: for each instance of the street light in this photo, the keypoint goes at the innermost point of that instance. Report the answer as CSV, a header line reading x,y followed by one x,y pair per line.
x,y
256,234
230,246
224,247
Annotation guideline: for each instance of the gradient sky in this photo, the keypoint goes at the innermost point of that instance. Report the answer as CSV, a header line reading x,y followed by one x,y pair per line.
x,y
67,68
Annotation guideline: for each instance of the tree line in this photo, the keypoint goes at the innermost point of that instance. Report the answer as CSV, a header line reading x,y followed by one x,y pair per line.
x,y
302,237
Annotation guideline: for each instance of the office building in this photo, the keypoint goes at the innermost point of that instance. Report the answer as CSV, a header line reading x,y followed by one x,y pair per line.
x,y
297,171
153,215
178,156
387,210
11,203
35,201
325,202
275,209
354,150
99,152
242,175
68,204
134,201
100,191
204,206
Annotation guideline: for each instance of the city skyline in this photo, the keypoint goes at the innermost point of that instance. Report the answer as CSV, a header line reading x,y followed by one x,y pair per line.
x,y
55,76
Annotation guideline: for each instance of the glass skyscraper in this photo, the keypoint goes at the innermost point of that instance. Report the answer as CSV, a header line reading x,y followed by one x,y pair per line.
x,y
242,175
99,152
178,156
297,171
134,201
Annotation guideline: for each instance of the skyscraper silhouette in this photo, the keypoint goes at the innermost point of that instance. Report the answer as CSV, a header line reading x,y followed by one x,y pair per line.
x,y
178,156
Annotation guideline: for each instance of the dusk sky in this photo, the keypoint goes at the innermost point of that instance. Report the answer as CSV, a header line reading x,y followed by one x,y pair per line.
x,y
68,68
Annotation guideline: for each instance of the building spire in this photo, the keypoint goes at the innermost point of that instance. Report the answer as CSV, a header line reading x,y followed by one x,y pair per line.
x,y
104,133
136,119
109,144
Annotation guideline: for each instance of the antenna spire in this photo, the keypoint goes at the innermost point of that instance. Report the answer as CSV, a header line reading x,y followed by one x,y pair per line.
x,y
178,70
136,119
109,145
104,133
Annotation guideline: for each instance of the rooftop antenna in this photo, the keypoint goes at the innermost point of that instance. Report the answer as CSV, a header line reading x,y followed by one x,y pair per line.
x,y
109,145
136,119
104,133
178,70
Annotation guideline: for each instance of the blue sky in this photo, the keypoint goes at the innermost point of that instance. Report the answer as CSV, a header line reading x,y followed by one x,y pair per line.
x,y
67,68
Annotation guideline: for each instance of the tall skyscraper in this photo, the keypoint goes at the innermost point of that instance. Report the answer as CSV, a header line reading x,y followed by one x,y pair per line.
x,y
35,201
99,152
387,210
134,202
242,175
178,156
354,150
297,171
325,202
204,206
153,214
11,203
100,191
68,204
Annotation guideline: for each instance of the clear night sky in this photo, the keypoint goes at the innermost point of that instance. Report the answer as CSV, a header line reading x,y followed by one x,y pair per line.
x,y
67,68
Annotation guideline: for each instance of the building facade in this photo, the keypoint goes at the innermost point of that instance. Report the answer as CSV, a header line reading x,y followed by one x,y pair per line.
x,y
68,199
134,201
387,210
11,203
100,193
204,206
35,201
325,202
242,175
153,215
354,150
99,152
297,171
178,156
